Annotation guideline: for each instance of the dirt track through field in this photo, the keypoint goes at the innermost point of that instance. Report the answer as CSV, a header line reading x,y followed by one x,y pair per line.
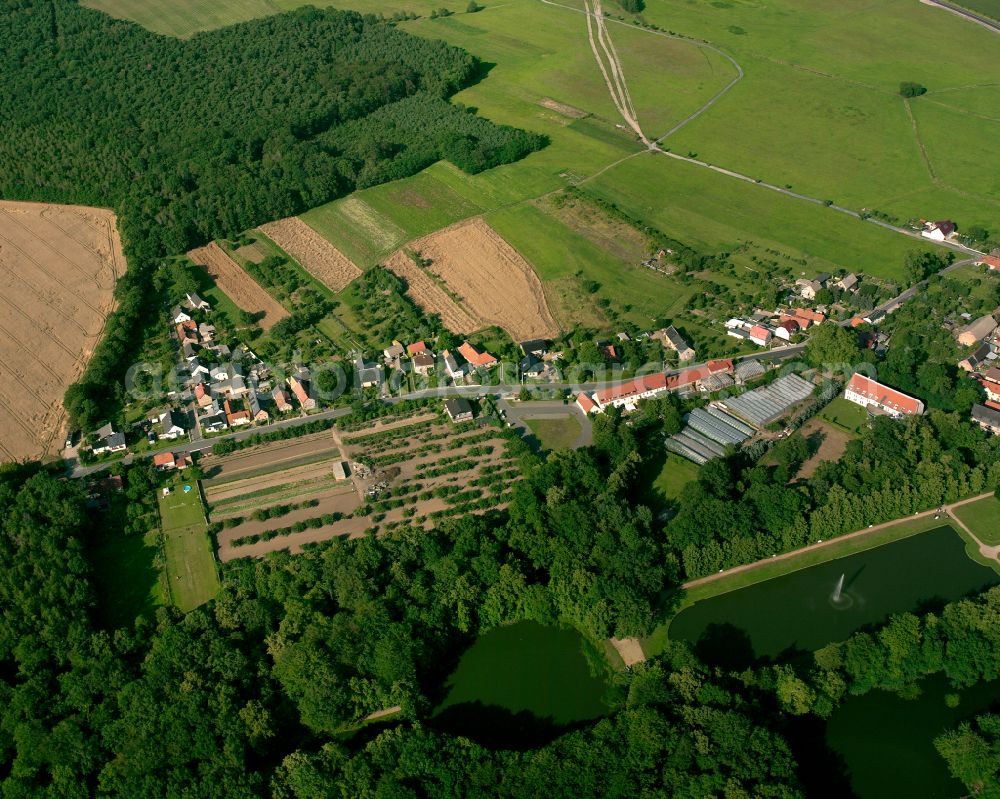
x,y
238,285
316,255
58,266
490,277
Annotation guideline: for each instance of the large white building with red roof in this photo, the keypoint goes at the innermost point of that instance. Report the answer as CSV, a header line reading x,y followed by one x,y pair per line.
x,y
871,394
628,394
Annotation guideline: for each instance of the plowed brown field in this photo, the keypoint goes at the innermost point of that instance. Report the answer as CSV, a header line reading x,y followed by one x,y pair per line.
x,y
495,284
318,256
238,285
431,297
58,266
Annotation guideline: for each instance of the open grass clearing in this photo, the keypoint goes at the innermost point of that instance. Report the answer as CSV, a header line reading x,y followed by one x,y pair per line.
x,y
983,518
555,434
846,415
676,473
829,442
128,579
192,577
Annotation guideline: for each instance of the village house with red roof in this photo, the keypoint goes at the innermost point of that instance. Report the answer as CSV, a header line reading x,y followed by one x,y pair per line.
x,y
879,398
475,357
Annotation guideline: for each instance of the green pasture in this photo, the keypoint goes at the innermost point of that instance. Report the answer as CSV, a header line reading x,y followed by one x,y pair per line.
x,y
184,18
983,518
191,572
676,473
715,212
558,253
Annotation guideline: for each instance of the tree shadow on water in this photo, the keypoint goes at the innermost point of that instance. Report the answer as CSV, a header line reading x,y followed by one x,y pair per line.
x,y
726,646
498,728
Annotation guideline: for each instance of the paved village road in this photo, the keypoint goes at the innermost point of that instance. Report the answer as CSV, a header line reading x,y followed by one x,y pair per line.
x,y
972,16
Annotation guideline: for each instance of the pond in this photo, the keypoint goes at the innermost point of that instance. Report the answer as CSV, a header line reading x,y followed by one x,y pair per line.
x,y
800,611
520,685
887,743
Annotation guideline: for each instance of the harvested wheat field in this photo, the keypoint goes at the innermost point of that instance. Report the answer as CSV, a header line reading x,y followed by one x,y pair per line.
x,y
431,297
58,266
493,281
316,255
238,285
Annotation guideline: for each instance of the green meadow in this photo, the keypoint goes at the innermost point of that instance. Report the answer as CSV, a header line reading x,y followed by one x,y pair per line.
x,y
817,110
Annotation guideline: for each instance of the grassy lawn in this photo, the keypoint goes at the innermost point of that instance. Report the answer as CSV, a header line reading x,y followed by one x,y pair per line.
x,y
846,415
676,473
983,518
128,580
191,573
555,433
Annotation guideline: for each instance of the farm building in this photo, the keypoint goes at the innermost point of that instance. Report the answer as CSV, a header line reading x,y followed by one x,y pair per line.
x,y
748,370
707,434
879,398
627,395
458,409
763,405
938,231
973,333
341,469
586,404
848,282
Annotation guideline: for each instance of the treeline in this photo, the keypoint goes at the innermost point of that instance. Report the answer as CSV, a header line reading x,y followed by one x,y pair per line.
x,y
200,139
250,695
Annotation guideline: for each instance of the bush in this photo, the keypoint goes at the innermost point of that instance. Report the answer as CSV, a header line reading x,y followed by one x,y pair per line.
x,y
909,89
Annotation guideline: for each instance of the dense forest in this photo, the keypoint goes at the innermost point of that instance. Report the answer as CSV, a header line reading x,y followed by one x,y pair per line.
x,y
193,140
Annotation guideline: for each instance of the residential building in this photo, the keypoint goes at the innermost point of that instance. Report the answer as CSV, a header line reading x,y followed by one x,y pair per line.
x,y
458,409
476,358
214,424
676,342
369,375
202,395
874,317
848,282
178,315
417,346
171,425
300,388
280,397
197,303
531,367
760,335
423,362
393,354
109,440
938,231
972,334
991,382
537,347
236,417
628,394
187,332
206,331
786,328
871,394
257,413
452,367
976,359
992,261
808,288
987,418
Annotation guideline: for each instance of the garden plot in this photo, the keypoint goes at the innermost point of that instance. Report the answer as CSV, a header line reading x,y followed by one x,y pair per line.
x,y
414,471
238,285
269,457
58,266
316,255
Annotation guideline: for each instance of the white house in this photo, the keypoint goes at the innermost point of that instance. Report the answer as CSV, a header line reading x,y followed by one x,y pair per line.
x,y
171,426
938,231
760,335
179,315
